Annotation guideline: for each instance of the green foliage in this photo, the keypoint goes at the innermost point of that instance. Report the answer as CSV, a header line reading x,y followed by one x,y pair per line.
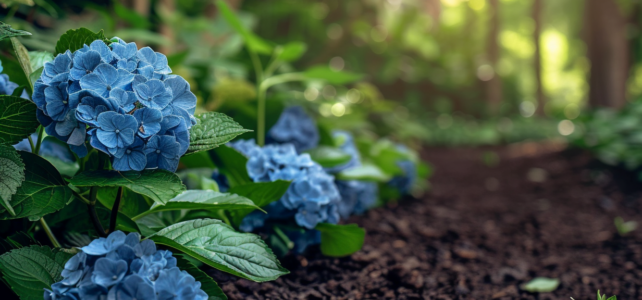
x,y
292,51
7,32
328,156
159,185
37,59
366,171
218,245
603,297
32,269
340,240
23,56
212,130
75,39
261,193
624,228
203,199
207,284
541,285
252,41
331,76
42,192
17,119
232,164
12,173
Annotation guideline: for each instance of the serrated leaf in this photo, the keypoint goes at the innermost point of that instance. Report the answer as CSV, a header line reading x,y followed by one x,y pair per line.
x,y
30,270
159,185
252,41
38,59
331,76
7,32
17,119
217,244
541,285
328,156
202,199
42,192
75,39
365,171
23,57
208,285
340,240
232,164
261,193
212,130
12,173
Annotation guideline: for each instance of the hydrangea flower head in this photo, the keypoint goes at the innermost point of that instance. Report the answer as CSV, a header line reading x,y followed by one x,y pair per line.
x,y
403,183
120,266
356,196
7,87
295,127
312,196
121,100
345,142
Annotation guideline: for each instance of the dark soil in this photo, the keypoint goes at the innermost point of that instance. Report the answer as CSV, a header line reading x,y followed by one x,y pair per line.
x,y
481,232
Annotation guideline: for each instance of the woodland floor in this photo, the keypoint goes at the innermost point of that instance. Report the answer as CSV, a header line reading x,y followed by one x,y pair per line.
x,y
481,232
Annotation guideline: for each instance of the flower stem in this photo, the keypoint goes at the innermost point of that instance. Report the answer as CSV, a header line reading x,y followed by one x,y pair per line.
x,y
260,130
92,212
39,141
114,210
50,234
33,148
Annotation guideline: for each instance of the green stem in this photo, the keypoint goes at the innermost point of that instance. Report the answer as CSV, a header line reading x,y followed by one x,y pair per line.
x,y
39,142
33,148
284,237
50,234
92,212
260,130
114,210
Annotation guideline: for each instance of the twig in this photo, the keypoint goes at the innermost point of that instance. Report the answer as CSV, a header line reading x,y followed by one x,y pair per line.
x,y
114,210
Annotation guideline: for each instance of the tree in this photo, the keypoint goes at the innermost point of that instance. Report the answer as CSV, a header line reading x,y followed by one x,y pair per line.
x,y
494,85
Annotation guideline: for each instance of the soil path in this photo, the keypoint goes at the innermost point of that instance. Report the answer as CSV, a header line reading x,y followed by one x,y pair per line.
x,y
481,232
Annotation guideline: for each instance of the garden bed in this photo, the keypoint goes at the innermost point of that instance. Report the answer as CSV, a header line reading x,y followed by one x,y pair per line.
x,y
481,232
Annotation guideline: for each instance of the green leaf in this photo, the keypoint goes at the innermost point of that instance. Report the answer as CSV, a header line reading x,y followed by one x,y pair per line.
x,y
331,76
159,185
209,184
132,203
218,245
329,157
340,240
30,270
37,59
541,285
35,75
42,192
17,240
212,130
7,32
208,285
123,222
75,39
17,119
12,173
365,171
292,51
202,199
23,57
262,193
232,164
132,17
197,160
252,41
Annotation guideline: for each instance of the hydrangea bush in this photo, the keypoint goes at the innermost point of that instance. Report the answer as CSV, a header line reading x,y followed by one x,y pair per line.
x,y
125,102
295,127
122,267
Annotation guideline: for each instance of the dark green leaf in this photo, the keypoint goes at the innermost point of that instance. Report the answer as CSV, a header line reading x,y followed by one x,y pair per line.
x,y
197,160
16,241
292,51
158,185
208,285
17,119
212,130
123,222
12,173
42,192
340,240
37,59
232,164
365,171
75,39
23,56
30,270
202,199
132,203
174,60
252,41
262,193
331,76
329,157
7,32
218,245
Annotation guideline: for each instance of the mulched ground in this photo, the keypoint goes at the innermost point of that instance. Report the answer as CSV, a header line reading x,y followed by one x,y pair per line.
x,y
481,232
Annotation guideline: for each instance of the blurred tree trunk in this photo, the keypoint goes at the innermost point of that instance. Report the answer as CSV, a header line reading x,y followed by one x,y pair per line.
x,y
165,9
494,85
608,51
537,18
142,7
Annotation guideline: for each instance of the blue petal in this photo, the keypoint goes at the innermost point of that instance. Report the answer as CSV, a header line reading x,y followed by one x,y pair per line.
x,y
105,53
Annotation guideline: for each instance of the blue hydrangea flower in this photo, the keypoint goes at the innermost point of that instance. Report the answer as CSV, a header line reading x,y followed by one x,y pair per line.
x,y
312,196
356,196
112,96
295,127
7,87
403,183
221,180
122,267
163,152
345,142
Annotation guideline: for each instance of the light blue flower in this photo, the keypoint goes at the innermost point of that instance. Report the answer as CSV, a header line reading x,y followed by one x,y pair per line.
x,y
105,78
403,183
105,52
356,196
133,287
153,94
183,101
91,105
126,100
6,86
155,61
102,246
176,284
133,157
149,121
345,142
72,129
58,103
84,63
163,152
53,70
74,269
108,272
295,127
116,130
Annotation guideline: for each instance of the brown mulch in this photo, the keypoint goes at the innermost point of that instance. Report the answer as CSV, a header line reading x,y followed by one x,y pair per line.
x,y
481,232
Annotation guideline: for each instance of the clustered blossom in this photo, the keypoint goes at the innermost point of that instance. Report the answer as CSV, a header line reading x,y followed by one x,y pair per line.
x,y
345,142
312,196
7,87
357,196
403,183
122,267
124,101
295,127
